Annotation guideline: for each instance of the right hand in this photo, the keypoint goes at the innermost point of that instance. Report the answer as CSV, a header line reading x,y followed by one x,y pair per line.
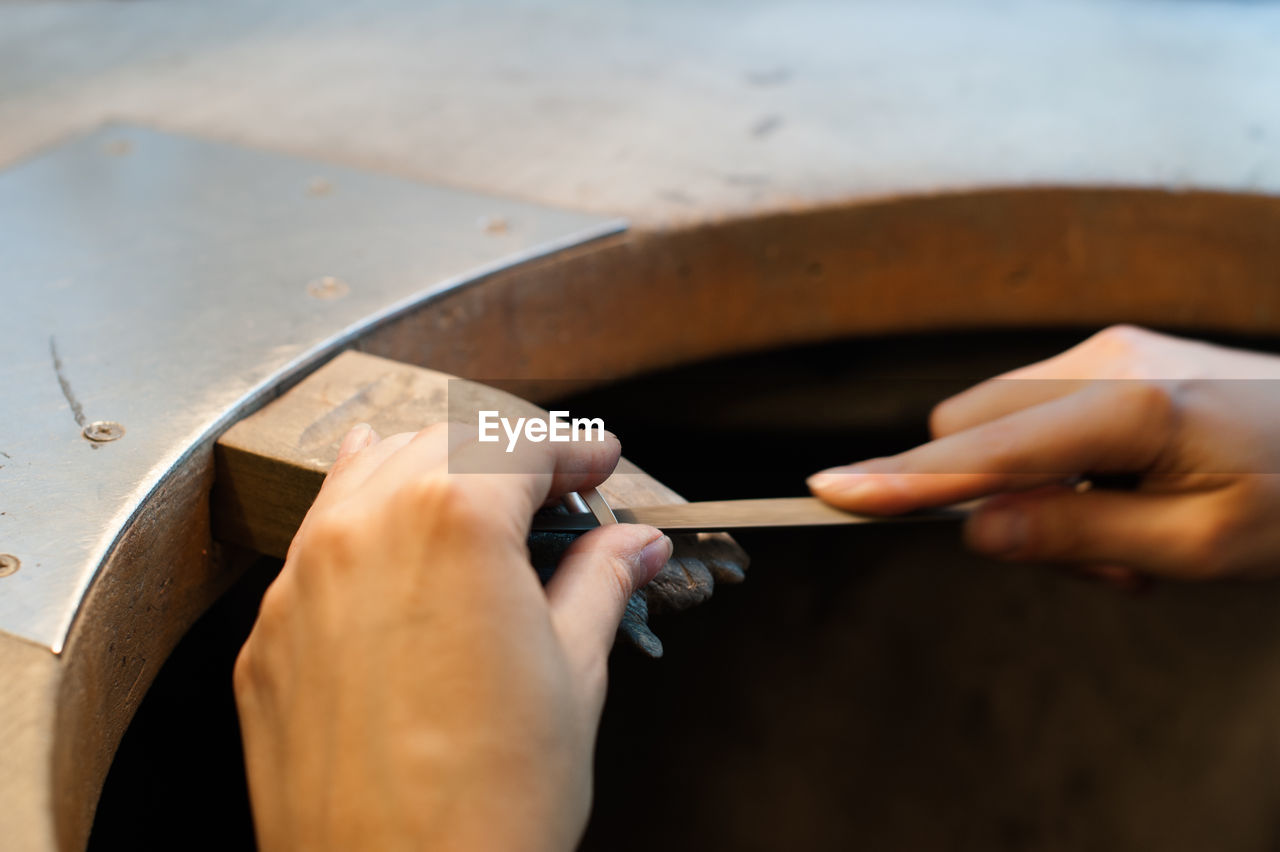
x,y
1199,424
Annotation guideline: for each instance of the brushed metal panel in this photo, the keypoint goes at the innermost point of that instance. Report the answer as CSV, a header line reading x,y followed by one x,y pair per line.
x,y
170,285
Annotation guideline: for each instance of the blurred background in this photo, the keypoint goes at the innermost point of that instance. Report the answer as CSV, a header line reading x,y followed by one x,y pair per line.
x,y
667,111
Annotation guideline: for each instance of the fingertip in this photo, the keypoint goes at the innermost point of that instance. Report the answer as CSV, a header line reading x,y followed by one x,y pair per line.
x,y
844,482
597,579
941,417
652,557
357,438
854,489
640,549
613,448
585,464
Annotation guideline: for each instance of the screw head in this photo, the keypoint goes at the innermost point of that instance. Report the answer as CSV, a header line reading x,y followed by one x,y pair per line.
x,y
493,225
327,287
9,564
319,186
102,431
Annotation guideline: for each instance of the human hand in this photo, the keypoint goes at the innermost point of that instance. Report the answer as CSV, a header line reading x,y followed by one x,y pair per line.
x,y
409,684
1199,424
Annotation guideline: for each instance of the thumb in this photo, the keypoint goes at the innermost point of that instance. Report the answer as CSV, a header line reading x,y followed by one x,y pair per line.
x,y
589,591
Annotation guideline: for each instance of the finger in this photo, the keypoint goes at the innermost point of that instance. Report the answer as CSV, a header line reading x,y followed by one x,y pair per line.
x,y
548,469
1112,530
1109,354
351,470
996,398
1103,428
506,488
360,453
513,484
340,476
589,591
357,438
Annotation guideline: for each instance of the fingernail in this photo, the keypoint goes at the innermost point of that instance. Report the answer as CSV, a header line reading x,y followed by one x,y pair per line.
x,y
355,440
654,555
843,482
1000,532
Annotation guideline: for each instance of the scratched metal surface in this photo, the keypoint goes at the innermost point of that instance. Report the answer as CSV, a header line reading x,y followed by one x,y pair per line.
x,y
168,284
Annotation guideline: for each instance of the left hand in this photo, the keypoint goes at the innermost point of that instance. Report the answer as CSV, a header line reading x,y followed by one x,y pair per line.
x,y
409,684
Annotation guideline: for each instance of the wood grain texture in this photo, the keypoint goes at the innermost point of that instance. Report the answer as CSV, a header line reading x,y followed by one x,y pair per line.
x,y
29,679
1038,257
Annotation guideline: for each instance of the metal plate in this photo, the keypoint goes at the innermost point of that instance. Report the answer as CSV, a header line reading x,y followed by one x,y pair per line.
x,y
167,285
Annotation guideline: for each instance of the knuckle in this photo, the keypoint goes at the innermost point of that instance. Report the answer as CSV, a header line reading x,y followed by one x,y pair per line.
x,y
1121,338
1150,411
1152,401
942,418
437,435
1124,351
339,465
332,534
448,501
1208,546
435,494
243,676
464,510
434,432
621,584
1044,537
276,603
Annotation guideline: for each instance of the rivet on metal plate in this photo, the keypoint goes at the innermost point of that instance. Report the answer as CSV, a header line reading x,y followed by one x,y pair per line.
x,y
102,431
318,186
9,564
493,224
327,287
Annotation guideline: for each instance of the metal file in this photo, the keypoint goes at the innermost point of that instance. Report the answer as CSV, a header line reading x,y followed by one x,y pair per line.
x,y
738,515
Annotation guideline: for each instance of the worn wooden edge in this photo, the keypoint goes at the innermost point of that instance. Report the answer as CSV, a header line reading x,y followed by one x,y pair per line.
x,y
64,714
154,585
260,500
30,676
